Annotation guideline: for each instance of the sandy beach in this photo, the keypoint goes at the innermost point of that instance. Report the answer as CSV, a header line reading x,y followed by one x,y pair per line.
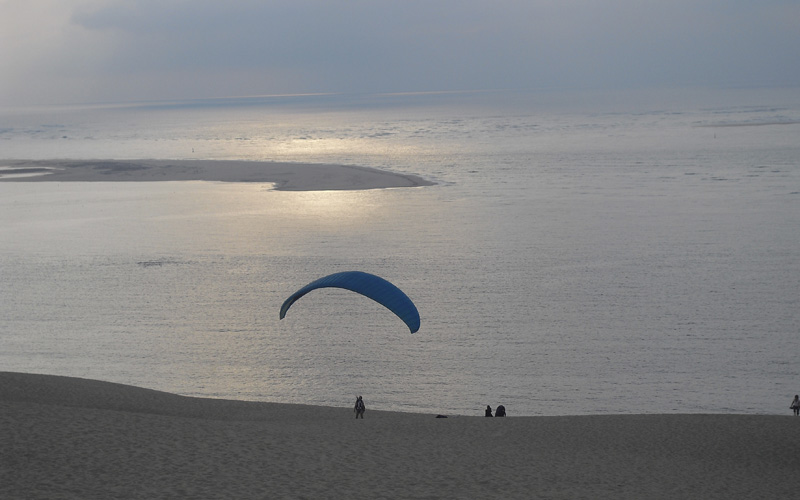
x,y
75,438
285,176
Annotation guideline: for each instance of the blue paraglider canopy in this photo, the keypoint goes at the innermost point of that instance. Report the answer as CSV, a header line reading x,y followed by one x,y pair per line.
x,y
369,285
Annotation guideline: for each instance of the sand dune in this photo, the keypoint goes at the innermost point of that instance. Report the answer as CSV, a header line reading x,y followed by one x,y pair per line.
x,y
83,439
285,176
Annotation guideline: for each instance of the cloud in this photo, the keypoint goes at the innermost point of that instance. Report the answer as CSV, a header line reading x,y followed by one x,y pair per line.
x,y
145,49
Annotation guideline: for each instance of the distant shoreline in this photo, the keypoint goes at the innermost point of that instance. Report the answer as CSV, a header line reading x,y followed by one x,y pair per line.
x,y
754,124
285,176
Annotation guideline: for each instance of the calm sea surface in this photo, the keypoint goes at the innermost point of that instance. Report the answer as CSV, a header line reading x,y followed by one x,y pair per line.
x,y
580,254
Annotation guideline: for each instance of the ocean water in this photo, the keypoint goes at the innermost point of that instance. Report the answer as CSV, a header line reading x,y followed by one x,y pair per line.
x,y
581,253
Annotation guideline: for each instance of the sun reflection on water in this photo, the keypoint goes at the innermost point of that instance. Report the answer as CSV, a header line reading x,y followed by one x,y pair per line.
x,y
333,207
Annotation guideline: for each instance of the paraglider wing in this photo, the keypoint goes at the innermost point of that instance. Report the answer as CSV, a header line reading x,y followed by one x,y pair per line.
x,y
369,285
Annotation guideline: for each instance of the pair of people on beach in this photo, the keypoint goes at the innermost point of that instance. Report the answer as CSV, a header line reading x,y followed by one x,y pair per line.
x,y
795,406
359,408
501,411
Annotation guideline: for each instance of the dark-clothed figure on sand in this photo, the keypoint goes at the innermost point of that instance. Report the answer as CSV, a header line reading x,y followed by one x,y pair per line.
x,y
359,408
795,406
488,411
500,412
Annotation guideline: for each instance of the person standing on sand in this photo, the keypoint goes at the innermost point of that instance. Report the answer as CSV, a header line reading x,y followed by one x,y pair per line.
x,y
795,405
488,411
359,409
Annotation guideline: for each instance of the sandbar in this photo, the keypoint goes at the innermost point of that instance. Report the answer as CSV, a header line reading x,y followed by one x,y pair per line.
x,y
284,176
67,437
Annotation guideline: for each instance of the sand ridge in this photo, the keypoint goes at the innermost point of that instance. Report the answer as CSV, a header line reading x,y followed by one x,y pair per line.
x,y
285,176
75,438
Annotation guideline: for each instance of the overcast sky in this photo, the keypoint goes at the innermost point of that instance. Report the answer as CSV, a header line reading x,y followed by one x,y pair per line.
x,y
61,51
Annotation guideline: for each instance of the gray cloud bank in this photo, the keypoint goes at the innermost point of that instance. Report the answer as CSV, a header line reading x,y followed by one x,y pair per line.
x,y
108,50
